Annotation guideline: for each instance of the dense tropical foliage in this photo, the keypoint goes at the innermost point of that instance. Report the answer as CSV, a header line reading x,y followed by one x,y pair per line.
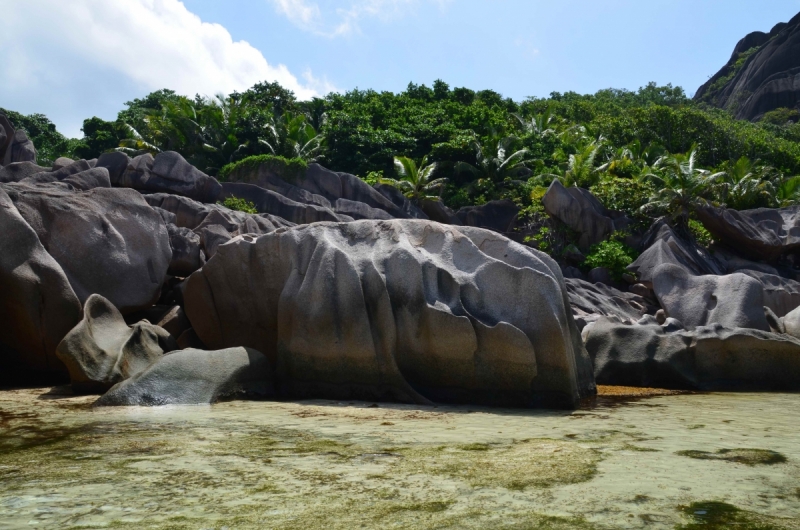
x,y
649,153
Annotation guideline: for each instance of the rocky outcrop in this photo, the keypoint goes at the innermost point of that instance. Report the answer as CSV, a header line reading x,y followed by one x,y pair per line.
x,y
583,213
270,202
401,201
437,211
763,74
37,305
20,149
169,172
733,301
763,234
402,310
190,377
187,254
107,241
499,216
590,301
6,136
707,358
102,350
19,171
116,163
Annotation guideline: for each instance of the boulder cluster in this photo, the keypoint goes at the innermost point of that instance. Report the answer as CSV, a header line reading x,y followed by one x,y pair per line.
x,y
130,278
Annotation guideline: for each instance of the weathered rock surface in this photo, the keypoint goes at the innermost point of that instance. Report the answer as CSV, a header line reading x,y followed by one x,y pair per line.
x,y
401,201
6,138
102,350
437,211
590,301
187,254
707,358
763,234
268,201
61,162
663,246
37,305
583,213
189,377
359,210
767,80
402,310
116,163
499,216
169,172
107,241
20,149
733,301
18,171
781,295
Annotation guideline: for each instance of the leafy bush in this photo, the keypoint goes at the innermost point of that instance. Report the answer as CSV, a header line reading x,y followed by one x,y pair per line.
x,y
241,205
781,116
611,254
624,195
289,169
701,235
373,177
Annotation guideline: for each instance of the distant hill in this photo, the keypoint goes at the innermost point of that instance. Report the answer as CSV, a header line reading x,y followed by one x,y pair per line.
x,y
762,75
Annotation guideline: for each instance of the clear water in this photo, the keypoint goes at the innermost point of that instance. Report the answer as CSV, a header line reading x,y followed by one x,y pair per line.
x,y
336,465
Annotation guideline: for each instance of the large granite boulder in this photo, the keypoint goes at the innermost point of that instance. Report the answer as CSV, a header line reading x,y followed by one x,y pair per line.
x,y
187,254
37,305
706,358
499,216
84,180
402,310
663,246
169,172
401,201
781,295
583,213
437,211
591,301
734,300
102,350
359,210
20,149
767,80
19,171
7,136
116,163
190,377
3,141
108,241
270,202
763,234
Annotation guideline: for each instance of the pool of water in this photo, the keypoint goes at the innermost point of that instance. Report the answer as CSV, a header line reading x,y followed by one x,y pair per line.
x,y
647,463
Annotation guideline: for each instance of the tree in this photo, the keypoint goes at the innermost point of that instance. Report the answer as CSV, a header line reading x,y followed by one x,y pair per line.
x,y
495,161
681,187
415,182
744,186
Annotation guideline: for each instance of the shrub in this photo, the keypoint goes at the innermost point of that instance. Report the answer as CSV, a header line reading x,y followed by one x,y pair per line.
x,y
289,169
701,235
611,254
373,177
621,194
241,205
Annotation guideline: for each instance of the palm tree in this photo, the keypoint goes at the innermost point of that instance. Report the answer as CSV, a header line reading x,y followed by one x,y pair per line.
x,y
414,182
681,187
579,169
744,186
494,161
787,190
538,124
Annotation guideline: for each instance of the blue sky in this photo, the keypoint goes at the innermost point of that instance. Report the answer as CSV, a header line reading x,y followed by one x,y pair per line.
x,y
88,57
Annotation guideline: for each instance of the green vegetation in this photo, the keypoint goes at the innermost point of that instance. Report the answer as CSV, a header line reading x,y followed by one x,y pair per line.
x,y
611,254
647,153
715,515
750,457
241,205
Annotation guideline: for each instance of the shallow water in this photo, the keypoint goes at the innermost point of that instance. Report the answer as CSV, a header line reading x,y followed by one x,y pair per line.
x,y
336,465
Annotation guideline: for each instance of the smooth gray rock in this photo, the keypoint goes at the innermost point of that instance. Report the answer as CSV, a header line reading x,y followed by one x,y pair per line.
x,y
663,246
499,216
169,172
116,163
270,202
193,377
20,149
734,301
711,358
62,162
187,254
175,321
6,138
600,275
85,180
359,210
791,323
437,211
19,171
591,301
583,213
108,241
401,201
102,350
37,304
402,310
781,295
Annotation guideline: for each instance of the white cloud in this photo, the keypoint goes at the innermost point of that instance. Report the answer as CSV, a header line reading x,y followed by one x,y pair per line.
x,y
344,21
149,44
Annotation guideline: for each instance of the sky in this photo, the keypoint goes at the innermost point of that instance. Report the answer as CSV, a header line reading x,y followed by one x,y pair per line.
x,y
74,59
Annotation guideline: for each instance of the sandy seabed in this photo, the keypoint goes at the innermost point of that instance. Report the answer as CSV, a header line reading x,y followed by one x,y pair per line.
x,y
633,458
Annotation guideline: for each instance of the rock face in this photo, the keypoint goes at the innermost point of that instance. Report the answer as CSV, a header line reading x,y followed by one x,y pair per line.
x,y
591,301
6,137
402,310
582,212
190,377
18,171
169,172
437,211
761,75
187,256
733,301
102,350
37,306
762,234
107,241
708,358
499,216
20,149
268,201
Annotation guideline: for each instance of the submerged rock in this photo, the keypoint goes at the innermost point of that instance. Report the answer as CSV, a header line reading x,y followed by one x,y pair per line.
x,y
190,377
707,358
102,350
402,310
